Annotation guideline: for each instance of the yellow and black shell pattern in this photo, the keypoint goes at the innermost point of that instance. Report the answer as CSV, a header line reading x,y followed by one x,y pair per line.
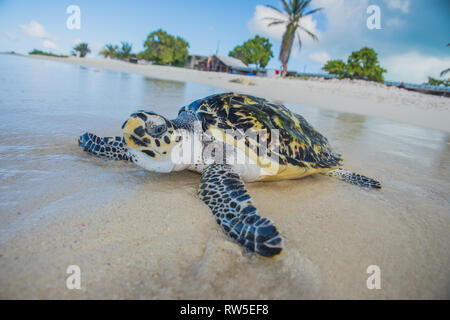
x,y
299,149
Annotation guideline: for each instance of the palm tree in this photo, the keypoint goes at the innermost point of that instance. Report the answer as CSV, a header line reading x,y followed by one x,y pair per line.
x,y
110,50
443,73
293,12
125,50
82,48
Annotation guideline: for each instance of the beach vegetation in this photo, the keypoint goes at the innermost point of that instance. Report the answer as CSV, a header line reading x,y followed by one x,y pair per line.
x,y
165,49
444,72
362,65
438,82
114,52
82,48
125,50
109,51
256,51
44,53
336,67
293,12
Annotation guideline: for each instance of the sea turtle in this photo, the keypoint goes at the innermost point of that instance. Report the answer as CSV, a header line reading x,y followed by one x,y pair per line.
x,y
229,138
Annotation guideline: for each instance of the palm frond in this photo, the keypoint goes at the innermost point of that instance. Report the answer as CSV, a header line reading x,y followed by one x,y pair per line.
x,y
271,18
273,8
443,73
286,7
299,42
275,23
312,11
303,4
312,35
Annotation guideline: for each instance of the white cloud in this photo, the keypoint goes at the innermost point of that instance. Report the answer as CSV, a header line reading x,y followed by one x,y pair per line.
x,y
414,67
345,25
258,24
35,29
76,41
344,14
50,45
346,31
321,57
10,36
402,5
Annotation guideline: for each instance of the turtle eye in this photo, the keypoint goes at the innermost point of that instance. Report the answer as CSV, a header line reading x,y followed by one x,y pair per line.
x,y
158,130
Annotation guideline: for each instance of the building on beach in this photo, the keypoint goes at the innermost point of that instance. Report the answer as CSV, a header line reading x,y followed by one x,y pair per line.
x,y
219,63
194,60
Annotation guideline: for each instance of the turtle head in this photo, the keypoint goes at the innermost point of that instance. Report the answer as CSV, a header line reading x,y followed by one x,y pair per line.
x,y
151,138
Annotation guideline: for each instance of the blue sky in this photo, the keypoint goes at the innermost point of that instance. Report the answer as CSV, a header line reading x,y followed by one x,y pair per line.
x,y
411,42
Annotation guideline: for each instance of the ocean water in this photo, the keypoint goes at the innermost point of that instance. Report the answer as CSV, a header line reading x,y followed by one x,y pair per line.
x,y
145,235
45,106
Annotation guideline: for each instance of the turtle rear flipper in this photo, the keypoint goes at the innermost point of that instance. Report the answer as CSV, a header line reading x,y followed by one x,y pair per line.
x,y
106,147
225,194
354,178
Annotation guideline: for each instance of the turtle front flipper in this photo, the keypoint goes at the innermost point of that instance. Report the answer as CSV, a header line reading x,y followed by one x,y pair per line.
x,y
107,147
354,178
225,194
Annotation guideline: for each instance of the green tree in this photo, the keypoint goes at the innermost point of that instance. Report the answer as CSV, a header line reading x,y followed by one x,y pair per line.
x,y
163,48
254,51
82,48
113,51
336,67
109,51
362,64
240,53
44,53
293,13
125,50
437,82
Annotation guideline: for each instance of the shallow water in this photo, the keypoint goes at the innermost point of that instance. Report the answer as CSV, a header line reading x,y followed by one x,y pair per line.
x,y
137,234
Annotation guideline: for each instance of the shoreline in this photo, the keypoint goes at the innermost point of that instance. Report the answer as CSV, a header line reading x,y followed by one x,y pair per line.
x,y
351,96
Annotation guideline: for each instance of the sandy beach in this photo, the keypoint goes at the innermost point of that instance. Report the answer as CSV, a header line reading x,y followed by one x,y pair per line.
x,y
142,235
353,96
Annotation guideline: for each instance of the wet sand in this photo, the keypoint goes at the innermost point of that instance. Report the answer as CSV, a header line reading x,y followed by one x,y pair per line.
x,y
137,234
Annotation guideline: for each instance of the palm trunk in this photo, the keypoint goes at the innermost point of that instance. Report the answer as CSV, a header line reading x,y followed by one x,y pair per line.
x,y
286,47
